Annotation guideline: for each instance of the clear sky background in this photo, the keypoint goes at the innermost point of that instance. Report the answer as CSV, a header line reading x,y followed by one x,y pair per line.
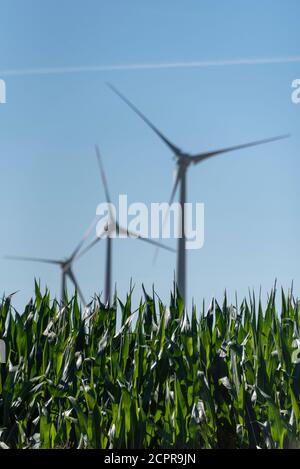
x,y
49,178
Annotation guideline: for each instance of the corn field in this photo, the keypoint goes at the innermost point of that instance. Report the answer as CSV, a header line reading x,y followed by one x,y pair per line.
x,y
157,377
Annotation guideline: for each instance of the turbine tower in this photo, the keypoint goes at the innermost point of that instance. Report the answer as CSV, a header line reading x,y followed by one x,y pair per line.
x,y
65,265
183,162
111,228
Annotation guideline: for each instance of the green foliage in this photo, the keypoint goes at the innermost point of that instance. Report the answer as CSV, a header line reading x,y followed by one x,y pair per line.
x,y
226,378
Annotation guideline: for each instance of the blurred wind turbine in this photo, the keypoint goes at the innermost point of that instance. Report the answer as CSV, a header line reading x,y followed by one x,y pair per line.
x,y
114,227
64,264
183,161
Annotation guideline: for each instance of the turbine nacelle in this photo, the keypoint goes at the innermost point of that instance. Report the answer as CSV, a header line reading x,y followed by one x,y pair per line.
x,y
183,159
66,265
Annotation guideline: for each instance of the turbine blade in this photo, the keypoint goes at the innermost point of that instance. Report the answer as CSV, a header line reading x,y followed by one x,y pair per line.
x,y
179,173
171,145
83,239
102,173
92,244
142,238
203,156
73,279
35,259
175,185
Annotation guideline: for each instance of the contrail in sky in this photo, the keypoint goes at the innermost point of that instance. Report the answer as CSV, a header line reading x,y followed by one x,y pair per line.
x,y
147,66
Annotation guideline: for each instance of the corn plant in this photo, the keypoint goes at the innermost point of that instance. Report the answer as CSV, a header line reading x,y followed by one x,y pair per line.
x,y
155,377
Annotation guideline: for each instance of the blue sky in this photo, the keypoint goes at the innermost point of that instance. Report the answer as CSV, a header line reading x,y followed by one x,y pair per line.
x,y
49,181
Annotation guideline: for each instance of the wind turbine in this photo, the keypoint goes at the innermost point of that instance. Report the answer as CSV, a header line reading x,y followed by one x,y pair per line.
x,y
114,227
183,162
65,265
